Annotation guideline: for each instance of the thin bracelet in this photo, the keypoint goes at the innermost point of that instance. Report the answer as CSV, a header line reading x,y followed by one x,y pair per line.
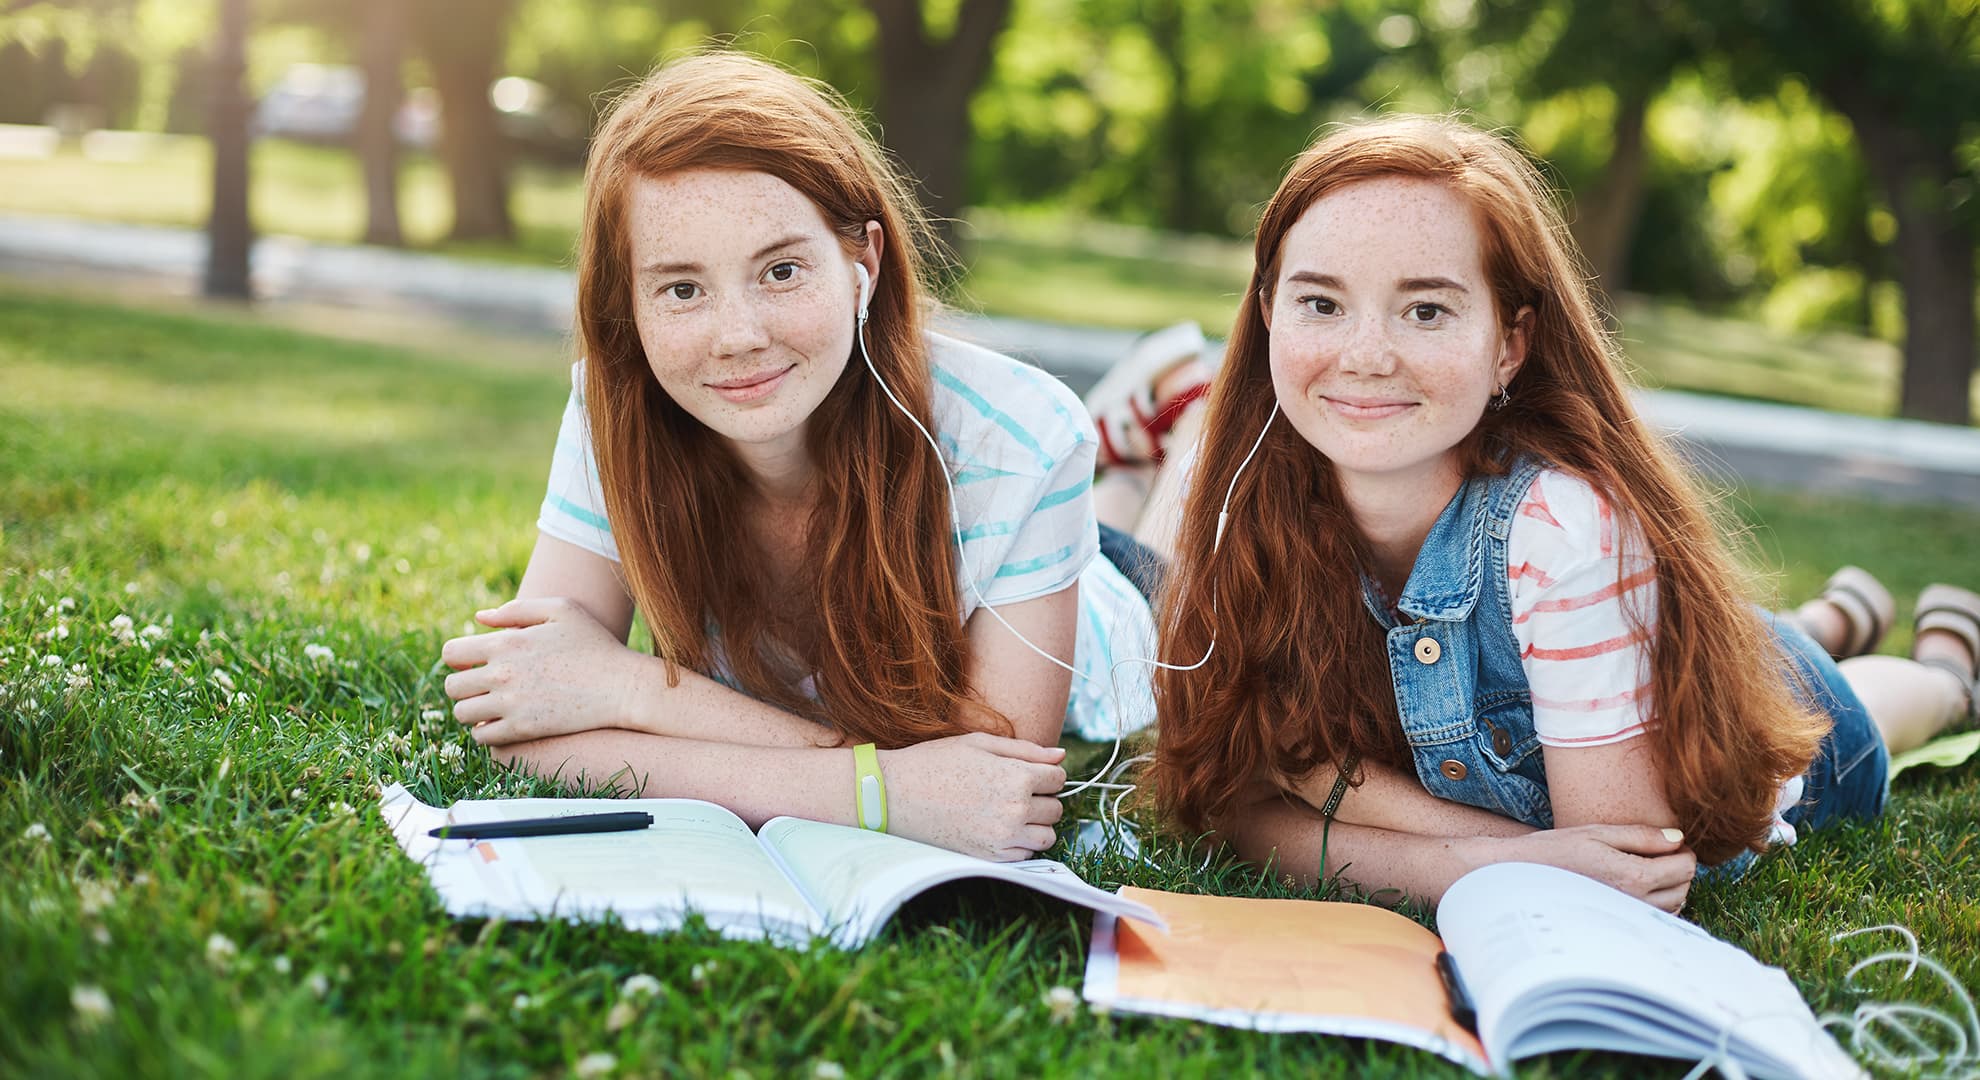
x,y
869,789
1330,807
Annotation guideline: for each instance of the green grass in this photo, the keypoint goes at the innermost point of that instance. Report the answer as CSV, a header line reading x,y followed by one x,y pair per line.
x,y
1030,265
252,491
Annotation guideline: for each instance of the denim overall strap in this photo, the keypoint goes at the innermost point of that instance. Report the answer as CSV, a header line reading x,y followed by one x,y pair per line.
x,y
1461,691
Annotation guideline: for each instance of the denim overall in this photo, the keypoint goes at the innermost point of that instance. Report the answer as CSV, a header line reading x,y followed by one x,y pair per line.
x,y
1467,711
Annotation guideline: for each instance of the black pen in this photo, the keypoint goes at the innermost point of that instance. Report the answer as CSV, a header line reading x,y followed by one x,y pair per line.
x,y
548,826
1462,1010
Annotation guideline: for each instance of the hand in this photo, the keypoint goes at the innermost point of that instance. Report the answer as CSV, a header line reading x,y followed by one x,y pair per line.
x,y
550,669
980,794
1637,859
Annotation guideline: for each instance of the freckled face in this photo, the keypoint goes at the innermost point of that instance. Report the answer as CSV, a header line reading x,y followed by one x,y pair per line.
x,y
744,299
1386,344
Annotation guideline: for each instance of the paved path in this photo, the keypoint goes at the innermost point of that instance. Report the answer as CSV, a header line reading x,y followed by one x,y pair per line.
x,y
1762,444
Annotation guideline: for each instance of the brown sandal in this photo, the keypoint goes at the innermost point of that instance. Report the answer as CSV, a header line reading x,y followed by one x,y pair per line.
x,y
1955,611
1866,607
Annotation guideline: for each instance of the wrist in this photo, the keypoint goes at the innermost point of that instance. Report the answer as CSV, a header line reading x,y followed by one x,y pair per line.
x,y
645,679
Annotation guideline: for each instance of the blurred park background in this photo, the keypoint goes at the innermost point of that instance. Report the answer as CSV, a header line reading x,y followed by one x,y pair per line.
x,y
1778,195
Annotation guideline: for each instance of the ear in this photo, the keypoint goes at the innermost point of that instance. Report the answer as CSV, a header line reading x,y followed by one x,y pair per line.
x,y
869,257
1265,308
1518,336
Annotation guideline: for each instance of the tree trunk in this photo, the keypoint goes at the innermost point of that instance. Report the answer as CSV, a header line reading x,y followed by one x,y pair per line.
x,y
925,89
1935,259
229,234
381,52
1166,31
463,42
1605,221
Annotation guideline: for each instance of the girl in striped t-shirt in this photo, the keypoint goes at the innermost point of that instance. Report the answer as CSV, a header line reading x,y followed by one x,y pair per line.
x,y
1464,606
866,553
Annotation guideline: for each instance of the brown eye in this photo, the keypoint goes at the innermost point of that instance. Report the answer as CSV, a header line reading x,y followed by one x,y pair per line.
x,y
1425,312
682,291
783,272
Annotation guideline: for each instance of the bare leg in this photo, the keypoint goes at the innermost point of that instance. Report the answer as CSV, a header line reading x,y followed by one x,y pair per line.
x,y
1161,518
1909,701
1120,495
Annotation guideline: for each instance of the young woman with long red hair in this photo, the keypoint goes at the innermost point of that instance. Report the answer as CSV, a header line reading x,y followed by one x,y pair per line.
x,y
833,639
1460,572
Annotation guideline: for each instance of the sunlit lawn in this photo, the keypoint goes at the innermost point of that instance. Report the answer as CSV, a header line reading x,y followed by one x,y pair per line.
x,y
1033,265
195,507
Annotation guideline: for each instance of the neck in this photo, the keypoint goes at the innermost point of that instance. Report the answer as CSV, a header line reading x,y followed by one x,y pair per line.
x,y
781,471
1395,512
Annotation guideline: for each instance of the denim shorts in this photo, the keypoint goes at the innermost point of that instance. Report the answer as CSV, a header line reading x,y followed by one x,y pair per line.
x,y
1136,561
1850,776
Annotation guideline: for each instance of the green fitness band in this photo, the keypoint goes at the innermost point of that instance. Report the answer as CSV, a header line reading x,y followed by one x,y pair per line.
x,y
869,789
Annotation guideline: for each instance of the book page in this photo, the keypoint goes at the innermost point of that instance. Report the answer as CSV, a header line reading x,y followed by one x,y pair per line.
x,y
696,856
1555,960
858,878
1281,965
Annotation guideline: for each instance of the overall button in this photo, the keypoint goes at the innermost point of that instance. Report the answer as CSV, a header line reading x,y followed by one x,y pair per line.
x,y
1501,740
1427,650
1452,768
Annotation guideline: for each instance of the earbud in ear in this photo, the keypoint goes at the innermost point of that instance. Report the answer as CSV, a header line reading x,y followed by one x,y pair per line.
x,y
865,287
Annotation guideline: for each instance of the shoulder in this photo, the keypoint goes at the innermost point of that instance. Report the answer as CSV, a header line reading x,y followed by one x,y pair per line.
x,y
1562,512
991,403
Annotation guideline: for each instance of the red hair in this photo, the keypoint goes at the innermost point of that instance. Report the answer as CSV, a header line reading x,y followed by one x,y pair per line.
x,y
881,629
1299,678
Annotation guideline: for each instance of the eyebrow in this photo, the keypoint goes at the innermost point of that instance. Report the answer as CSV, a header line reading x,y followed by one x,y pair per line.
x,y
1415,284
771,248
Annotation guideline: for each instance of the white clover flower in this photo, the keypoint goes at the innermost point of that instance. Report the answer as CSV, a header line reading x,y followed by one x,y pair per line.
x,y
281,965
451,752
598,1064
318,984
828,1070
67,603
319,654
36,831
100,935
432,716
296,794
699,973
220,950
51,660
622,1014
123,629
240,698
140,879
77,679
95,896
521,1003
61,631
130,588
362,553
92,1005
222,680
144,804
165,663
641,985
1062,1002
151,632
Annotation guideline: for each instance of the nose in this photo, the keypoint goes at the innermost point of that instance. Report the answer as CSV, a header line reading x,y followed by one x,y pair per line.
x,y
739,326
1369,348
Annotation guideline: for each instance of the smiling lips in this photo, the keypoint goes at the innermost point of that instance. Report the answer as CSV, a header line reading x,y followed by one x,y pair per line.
x,y
1367,408
751,387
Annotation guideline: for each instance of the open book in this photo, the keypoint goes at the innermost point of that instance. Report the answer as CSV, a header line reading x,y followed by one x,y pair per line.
x,y
791,882
1551,960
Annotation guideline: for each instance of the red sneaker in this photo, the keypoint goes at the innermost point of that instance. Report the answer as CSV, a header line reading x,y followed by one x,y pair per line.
x,y
1133,426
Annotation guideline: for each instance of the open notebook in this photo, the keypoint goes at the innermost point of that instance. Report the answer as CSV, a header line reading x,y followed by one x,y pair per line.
x,y
791,882
1552,961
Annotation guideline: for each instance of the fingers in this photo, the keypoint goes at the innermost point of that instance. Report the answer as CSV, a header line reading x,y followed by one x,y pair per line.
x,y
1647,840
1021,749
472,682
1046,810
466,652
479,709
1671,900
1037,838
519,612
1047,779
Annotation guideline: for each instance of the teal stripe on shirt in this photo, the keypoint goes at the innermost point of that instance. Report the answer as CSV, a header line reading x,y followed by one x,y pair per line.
x,y
580,513
1032,566
1064,494
986,528
995,415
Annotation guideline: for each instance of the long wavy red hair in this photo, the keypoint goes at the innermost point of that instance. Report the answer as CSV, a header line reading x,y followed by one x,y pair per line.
x,y
1298,677
880,629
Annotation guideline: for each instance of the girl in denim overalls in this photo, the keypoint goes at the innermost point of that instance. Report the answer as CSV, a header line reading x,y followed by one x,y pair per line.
x,y
1457,568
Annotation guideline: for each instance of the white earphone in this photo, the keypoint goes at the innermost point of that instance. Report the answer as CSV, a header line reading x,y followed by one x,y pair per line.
x,y
865,287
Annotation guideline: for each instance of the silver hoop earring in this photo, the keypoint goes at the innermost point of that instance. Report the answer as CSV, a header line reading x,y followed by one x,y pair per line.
x,y
1504,399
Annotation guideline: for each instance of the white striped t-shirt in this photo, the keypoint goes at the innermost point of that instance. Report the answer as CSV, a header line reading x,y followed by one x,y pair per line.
x,y
1020,450
1575,572
1574,578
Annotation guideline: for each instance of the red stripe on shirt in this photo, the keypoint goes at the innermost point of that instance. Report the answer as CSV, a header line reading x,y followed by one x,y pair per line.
x,y
1613,736
1608,526
1571,603
1592,704
1528,570
1582,652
